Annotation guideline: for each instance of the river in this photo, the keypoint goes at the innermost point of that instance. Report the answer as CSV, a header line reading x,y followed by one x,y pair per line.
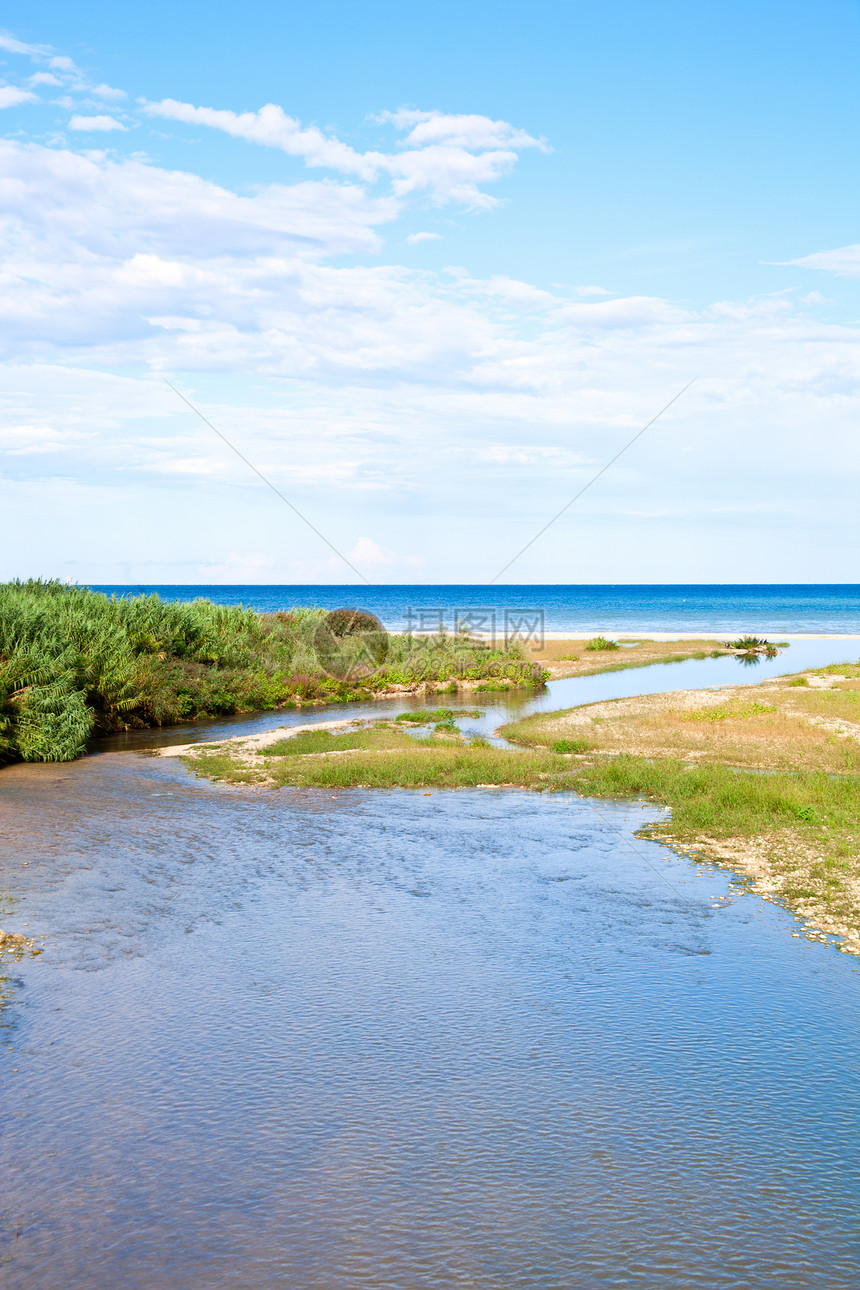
x,y
471,1039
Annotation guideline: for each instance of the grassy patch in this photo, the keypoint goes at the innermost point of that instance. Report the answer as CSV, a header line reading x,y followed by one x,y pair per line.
x,y
850,671
598,643
385,758
772,727
314,741
722,801
563,660
427,717
736,711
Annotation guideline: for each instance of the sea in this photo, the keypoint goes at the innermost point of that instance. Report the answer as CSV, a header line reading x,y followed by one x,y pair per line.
x,y
765,609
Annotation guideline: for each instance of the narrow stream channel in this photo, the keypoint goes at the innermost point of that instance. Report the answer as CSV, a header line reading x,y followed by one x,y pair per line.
x,y
393,1040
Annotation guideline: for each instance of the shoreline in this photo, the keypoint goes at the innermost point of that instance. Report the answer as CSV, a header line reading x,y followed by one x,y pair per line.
x,y
661,637
760,780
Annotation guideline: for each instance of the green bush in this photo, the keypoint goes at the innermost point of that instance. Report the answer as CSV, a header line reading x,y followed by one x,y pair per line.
x,y
600,642
351,622
74,663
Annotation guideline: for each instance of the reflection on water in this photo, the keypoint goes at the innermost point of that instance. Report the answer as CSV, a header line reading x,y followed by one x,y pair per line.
x,y
467,1039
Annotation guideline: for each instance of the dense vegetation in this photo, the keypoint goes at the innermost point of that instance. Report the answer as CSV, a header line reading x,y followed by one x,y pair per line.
x,y
74,663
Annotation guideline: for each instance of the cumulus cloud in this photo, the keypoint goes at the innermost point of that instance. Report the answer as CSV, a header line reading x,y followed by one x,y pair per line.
x,y
415,238
449,158
12,95
461,130
95,123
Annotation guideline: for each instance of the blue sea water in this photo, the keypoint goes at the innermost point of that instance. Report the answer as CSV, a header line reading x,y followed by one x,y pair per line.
x,y
766,609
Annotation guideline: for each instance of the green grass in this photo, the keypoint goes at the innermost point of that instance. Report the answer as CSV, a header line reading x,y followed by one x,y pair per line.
x,y
391,759
849,670
728,712
314,741
721,801
75,663
601,643
427,717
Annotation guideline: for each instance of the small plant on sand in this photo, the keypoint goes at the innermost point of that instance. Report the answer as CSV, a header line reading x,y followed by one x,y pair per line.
x,y
572,746
752,644
600,642
798,680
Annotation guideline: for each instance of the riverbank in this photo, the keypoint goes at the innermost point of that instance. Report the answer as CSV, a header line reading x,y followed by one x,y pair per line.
x,y
763,780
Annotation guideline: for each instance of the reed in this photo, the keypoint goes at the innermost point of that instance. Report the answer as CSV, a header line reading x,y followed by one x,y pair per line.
x,y
75,663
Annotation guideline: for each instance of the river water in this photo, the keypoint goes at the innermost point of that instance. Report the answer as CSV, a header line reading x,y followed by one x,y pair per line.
x,y
470,1039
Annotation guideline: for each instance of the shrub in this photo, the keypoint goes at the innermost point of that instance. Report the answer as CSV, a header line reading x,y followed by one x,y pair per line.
x,y
600,642
352,622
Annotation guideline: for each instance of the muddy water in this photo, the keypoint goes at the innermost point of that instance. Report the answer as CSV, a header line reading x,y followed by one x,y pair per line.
x,y
400,1040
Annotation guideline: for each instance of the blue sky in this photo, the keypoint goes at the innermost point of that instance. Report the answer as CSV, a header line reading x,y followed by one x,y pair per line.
x,y
430,289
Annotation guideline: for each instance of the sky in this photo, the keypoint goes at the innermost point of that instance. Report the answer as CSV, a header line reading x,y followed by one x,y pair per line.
x,y
428,271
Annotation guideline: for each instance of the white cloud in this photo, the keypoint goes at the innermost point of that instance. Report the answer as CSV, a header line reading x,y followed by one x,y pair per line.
x,y
447,157
368,554
109,92
844,262
123,264
437,399
63,70
14,46
415,238
271,127
96,123
11,96
461,130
